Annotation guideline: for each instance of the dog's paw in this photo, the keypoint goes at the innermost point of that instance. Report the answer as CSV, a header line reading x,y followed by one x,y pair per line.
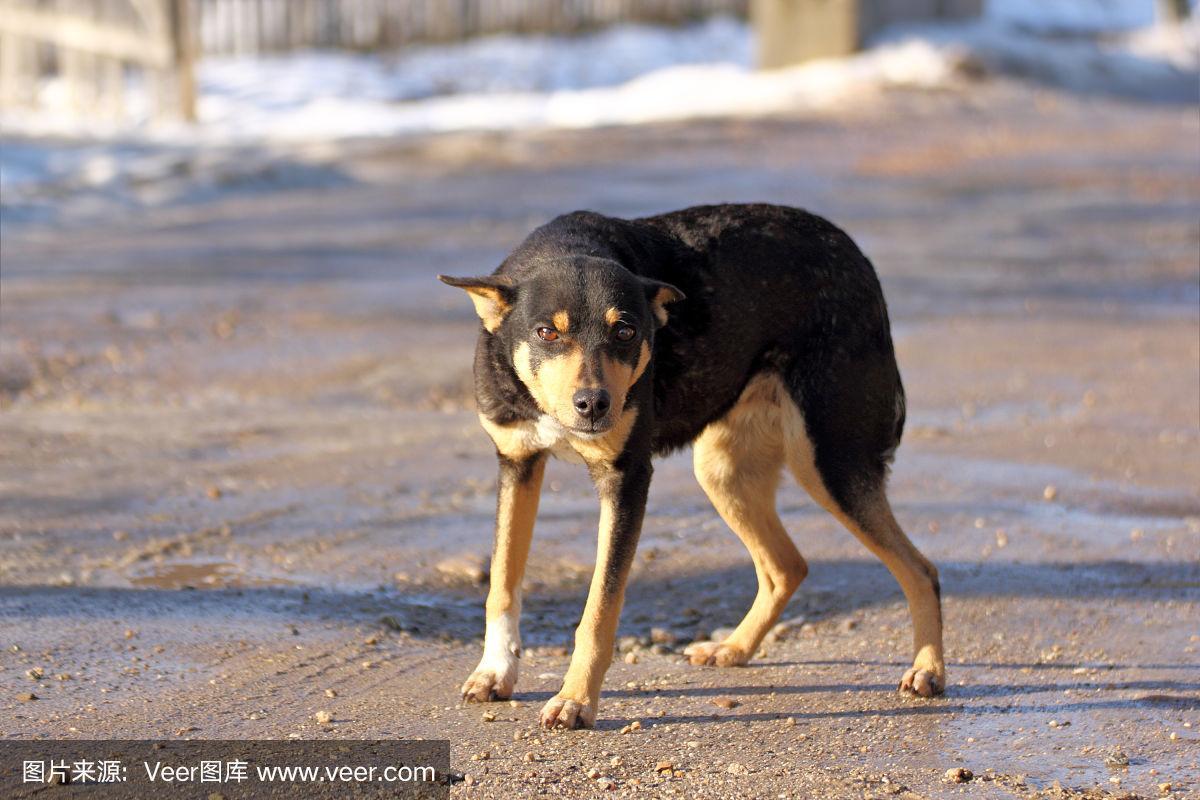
x,y
486,685
716,654
563,712
922,682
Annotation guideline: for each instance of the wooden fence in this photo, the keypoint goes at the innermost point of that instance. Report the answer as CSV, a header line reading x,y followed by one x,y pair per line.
x,y
258,26
94,47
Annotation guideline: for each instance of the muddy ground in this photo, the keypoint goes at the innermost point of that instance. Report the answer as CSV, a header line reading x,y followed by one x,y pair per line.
x,y
239,465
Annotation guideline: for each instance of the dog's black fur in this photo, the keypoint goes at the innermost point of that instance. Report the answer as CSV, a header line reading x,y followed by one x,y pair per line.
x,y
744,291
768,288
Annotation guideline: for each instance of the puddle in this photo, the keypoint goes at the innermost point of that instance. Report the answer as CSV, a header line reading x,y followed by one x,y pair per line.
x,y
203,575
1050,736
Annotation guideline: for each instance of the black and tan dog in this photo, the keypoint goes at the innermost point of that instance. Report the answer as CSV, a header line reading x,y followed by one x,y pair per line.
x,y
758,334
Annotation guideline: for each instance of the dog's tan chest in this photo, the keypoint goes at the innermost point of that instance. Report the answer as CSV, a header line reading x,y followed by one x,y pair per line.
x,y
522,439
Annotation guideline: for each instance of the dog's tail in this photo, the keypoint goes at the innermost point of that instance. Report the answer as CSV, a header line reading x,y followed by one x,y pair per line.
x,y
901,414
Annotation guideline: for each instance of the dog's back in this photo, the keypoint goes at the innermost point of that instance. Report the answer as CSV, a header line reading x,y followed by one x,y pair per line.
x,y
771,290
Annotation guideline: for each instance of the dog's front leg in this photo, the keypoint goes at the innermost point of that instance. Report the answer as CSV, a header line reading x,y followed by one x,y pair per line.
x,y
622,488
520,486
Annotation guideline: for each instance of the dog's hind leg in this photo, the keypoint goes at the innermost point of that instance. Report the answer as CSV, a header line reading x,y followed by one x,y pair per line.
x,y
851,486
519,488
738,461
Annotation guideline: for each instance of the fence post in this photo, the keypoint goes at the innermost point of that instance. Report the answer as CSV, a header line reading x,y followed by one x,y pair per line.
x,y
1174,10
184,48
792,31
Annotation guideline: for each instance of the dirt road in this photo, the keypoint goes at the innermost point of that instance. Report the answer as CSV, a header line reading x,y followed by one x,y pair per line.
x,y
239,466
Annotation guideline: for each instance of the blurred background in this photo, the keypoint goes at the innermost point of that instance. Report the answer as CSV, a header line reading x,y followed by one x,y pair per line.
x,y
241,476
96,96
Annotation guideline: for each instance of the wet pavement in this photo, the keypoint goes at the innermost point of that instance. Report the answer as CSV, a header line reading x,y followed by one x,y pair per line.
x,y
239,465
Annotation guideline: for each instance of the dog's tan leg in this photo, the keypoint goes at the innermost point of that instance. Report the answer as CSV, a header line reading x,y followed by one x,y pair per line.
x,y
738,461
623,500
520,486
875,526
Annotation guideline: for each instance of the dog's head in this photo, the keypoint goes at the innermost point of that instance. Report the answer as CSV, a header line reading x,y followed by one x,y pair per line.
x,y
579,332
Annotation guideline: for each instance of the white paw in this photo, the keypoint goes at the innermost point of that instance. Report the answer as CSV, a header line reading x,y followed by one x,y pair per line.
x,y
486,685
496,676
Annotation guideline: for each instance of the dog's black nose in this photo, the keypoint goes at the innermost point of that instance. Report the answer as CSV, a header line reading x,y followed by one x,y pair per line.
x,y
592,403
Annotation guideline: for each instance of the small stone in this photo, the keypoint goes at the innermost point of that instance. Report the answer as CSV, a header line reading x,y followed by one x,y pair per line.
x,y
1050,492
661,636
216,796
472,568
1116,759
1054,723
737,769
531,756
631,658
514,703
483,756
213,492
725,702
390,622
489,716
323,717
616,761
371,640
34,674
1174,737
627,644
783,628
664,766
636,725
790,722
848,625
1165,788
331,693
593,773
27,697
958,775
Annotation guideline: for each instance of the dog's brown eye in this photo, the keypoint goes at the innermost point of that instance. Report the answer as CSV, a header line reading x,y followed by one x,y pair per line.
x,y
625,333
547,334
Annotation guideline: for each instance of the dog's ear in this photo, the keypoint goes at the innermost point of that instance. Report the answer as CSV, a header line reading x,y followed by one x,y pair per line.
x,y
491,294
659,294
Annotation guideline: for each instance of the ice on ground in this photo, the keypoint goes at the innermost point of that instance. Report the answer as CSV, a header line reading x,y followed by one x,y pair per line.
x,y
629,74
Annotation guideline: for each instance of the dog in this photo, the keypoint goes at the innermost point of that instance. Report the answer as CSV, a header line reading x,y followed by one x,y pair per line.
x,y
758,334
